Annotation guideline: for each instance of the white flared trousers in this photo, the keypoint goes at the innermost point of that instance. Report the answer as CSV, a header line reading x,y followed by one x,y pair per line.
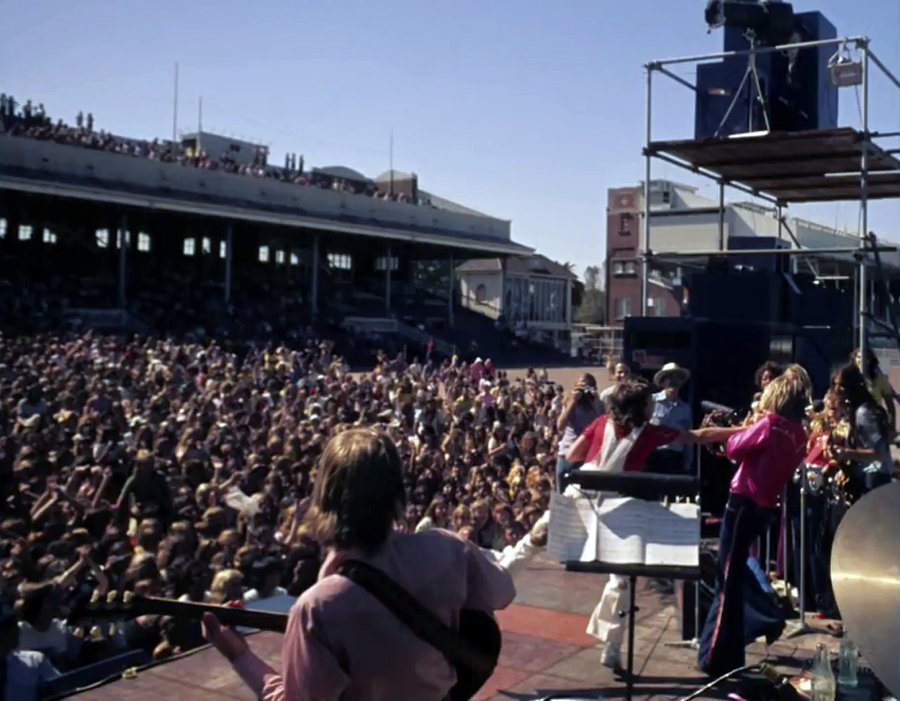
x,y
605,623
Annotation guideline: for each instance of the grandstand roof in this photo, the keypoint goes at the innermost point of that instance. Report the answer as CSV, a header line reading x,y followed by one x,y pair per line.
x,y
387,175
343,172
449,206
518,265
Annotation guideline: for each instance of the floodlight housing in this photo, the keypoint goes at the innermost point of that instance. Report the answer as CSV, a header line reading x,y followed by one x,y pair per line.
x,y
771,22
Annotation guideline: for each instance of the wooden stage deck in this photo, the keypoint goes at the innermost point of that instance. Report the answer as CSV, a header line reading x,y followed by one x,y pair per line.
x,y
545,650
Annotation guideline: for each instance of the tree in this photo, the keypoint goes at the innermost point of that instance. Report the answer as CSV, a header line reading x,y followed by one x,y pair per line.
x,y
592,309
592,280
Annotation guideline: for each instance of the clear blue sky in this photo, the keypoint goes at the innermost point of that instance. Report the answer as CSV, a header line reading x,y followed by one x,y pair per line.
x,y
524,109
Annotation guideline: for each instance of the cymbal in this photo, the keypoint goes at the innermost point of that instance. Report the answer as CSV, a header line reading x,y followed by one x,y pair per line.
x,y
865,575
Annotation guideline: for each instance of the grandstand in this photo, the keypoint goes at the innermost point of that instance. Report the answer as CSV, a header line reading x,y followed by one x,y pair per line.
x,y
104,231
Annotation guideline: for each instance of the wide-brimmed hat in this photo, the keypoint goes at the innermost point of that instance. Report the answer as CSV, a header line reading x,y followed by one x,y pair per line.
x,y
670,370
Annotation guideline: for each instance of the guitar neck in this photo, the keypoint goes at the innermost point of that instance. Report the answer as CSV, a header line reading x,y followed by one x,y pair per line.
x,y
157,606
228,615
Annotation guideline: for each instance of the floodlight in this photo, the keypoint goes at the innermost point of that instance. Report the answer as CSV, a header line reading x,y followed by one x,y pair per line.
x,y
843,71
771,22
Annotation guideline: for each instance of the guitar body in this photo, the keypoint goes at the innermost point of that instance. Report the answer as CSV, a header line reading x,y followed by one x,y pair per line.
x,y
481,631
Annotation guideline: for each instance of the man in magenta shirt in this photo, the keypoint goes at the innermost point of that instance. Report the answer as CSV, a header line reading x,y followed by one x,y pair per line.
x,y
769,452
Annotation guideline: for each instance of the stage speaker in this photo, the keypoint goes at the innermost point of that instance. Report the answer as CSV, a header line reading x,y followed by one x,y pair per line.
x,y
808,304
726,356
773,263
820,351
795,85
815,98
718,85
754,296
712,99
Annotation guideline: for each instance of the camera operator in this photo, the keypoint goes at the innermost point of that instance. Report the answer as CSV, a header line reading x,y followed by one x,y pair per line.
x,y
584,406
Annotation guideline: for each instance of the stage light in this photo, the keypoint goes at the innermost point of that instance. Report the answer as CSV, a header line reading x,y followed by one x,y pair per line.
x,y
771,22
843,71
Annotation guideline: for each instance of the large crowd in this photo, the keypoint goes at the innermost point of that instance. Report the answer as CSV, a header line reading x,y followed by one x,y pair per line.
x,y
32,122
185,470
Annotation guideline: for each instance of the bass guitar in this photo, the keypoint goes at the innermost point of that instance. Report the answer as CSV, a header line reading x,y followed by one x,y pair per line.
x,y
474,656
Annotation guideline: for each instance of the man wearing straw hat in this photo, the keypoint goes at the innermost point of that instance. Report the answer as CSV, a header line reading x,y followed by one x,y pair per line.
x,y
670,411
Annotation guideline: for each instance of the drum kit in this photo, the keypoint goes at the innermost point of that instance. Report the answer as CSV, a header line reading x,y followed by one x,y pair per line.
x,y
865,576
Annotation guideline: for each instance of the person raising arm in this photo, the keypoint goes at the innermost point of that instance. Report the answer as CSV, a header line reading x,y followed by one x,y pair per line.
x,y
622,439
768,454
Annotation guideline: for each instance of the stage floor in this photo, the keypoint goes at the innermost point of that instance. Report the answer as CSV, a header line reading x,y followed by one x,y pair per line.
x,y
545,650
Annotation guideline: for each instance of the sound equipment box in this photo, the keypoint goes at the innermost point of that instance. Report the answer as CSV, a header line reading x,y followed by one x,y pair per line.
x,y
794,84
773,263
735,295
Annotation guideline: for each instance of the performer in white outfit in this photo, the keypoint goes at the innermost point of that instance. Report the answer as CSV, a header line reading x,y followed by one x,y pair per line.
x,y
621,441
515,558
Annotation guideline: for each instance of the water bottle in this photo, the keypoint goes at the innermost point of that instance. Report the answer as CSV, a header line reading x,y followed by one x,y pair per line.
x,y
823,685
849,663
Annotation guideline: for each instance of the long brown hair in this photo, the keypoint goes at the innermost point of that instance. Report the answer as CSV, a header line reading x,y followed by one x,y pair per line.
x,y
628,404
358,493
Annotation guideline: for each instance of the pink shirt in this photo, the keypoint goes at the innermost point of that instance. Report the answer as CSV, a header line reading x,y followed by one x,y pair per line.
x,y
769,452
342,644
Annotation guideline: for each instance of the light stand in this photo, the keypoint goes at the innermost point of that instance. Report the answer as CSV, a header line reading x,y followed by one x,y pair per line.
x,y
750,73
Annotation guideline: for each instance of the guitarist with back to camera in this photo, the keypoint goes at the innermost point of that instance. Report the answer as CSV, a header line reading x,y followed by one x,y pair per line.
x,y
392,616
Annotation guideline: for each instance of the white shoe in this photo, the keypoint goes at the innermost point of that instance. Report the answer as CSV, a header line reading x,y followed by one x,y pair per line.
x,y
611,657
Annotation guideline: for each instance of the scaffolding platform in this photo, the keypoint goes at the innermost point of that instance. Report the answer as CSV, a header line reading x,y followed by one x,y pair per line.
x,y
795,167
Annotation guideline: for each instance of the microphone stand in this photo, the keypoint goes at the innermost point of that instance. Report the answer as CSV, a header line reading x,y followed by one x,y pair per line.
x,y
801,627
693,643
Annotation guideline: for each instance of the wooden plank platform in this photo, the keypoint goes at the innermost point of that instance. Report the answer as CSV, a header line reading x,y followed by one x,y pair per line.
x,y
813,166
545,649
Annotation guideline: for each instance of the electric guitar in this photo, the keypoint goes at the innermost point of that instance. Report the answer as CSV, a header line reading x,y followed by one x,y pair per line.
x,y
477,629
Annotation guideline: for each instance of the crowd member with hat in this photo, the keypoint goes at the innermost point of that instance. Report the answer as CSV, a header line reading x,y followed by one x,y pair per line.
x,y
671,411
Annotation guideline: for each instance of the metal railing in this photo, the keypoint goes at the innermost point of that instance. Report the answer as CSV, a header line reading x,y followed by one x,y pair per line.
x,y
423,337
408,331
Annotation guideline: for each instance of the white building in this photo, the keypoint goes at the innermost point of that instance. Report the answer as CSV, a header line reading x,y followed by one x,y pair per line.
x,y
681,220
532,294
241,152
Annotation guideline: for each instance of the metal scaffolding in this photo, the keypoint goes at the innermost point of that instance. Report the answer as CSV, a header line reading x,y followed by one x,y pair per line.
x,y
826,166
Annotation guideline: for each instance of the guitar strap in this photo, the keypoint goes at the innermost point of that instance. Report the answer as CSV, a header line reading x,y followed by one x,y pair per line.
x,y
422,622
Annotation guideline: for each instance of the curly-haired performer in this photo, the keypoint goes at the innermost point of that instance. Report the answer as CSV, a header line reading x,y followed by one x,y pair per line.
x,y
621,441
769,452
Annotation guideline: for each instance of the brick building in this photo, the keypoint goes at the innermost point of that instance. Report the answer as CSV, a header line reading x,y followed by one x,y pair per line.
x,y
623,263
682,220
